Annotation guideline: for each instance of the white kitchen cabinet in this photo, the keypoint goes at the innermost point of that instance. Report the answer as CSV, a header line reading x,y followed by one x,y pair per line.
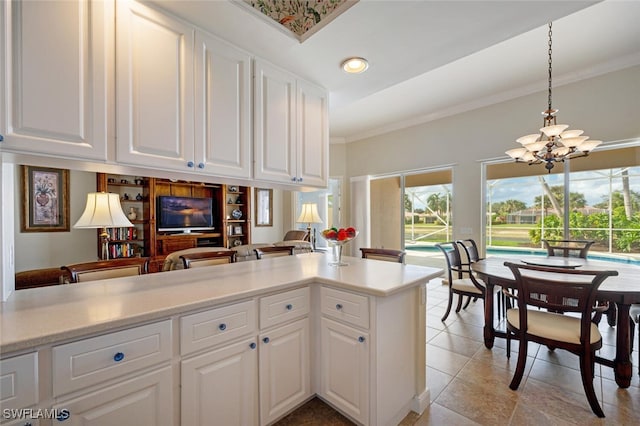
x,y
221,384
56,94
154,87
345,368
291,131
146,399
223,108
171,115
19,381
284,369
123,377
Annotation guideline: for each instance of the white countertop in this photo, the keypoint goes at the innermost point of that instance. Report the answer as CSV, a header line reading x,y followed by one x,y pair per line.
x,y
44,315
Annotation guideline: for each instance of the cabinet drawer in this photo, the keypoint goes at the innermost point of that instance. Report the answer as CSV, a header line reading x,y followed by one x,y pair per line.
x,y
19,381
210,328
348,307
283,307
90,361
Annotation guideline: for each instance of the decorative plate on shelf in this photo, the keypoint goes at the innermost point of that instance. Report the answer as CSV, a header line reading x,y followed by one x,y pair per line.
x,y
233,189
236,214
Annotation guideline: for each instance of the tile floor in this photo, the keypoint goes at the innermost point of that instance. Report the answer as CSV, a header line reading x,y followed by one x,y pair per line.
x,y
469,384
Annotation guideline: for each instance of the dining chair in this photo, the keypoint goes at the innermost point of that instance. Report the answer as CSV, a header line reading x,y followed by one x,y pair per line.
x,y
103,269
389,255
568,248
555,289
274,251
459,278
580,248
207,258
472,255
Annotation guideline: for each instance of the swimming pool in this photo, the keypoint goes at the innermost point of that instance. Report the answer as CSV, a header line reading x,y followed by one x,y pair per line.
x,y
497,251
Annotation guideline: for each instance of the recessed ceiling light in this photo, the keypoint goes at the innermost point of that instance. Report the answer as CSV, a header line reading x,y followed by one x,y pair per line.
x,y
355,65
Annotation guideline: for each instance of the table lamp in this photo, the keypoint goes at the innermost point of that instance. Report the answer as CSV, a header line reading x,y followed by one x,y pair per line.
x,y
309,215
103,210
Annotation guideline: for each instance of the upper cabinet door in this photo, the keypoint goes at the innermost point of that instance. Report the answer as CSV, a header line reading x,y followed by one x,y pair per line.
x,y
56,89
313,135
154,78
274,124
223,108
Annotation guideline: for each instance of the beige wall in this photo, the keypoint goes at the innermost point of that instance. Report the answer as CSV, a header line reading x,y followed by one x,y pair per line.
x,y
606,107
52,249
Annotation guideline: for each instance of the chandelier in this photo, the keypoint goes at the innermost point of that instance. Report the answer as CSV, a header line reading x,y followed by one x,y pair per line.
x,y
554,143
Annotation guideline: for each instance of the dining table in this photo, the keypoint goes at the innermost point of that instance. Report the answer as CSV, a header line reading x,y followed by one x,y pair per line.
x,y
622,289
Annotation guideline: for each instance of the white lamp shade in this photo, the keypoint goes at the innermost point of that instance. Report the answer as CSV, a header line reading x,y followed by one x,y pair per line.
x,y
574,142
536,146
524,140
309,213
587,146
103,210
516,153
571,133
554,130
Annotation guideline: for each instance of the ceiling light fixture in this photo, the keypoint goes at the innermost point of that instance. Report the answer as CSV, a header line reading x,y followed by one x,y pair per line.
x,y
554,143
355,65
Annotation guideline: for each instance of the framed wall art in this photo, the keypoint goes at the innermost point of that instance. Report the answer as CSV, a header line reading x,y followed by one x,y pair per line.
x,y
45,199
264,208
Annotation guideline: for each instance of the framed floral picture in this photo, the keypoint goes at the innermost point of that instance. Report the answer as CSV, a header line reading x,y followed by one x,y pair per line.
x,y
45,199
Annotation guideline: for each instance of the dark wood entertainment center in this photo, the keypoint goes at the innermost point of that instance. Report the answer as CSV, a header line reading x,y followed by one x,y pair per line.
x,y
139,194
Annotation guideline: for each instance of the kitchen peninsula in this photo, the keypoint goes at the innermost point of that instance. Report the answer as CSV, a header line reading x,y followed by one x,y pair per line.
x,y
246,342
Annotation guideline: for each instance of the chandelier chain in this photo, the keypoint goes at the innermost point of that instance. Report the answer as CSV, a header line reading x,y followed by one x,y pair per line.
x,y
550,51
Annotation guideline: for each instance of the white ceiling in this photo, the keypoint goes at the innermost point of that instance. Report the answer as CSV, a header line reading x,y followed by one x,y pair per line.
x,y
430,59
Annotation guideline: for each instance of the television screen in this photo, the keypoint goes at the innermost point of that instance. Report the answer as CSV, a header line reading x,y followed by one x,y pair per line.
x,y
184,213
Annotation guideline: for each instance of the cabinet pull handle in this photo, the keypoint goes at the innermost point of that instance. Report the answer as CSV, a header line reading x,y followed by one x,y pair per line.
x,y
299,179
201,165
252,345
1,138
361,339
119,356
190,164
222,327
294,179
338,306
265,340
289,307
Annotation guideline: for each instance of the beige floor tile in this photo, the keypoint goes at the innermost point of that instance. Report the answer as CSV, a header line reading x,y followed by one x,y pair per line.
x,y
437,415
458,344
486,404
562,377
444,360
437,381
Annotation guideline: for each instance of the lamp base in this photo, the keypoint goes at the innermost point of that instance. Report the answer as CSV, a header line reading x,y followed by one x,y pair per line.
x,y
105,244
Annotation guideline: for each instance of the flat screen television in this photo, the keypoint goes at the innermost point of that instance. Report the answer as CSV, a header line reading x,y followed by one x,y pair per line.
x,y
184,214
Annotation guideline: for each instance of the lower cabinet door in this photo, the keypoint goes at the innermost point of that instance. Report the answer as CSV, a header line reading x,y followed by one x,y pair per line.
x,y
221,386
344,376
144,400
284,369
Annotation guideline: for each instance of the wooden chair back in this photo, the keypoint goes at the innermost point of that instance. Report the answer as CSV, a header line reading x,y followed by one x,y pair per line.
x,y
274,251
558,289
103,269
470,249
388,255
568,248
208,258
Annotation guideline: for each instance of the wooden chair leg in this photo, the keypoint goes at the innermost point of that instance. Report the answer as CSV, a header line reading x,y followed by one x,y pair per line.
x,y
587,365
522,361
459,306
467,302
446,314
